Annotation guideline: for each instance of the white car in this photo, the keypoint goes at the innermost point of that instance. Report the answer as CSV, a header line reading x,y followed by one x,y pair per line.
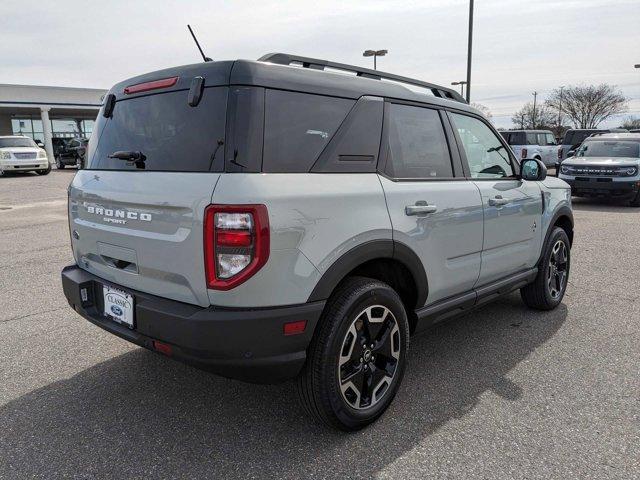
x,y
538,144
21,154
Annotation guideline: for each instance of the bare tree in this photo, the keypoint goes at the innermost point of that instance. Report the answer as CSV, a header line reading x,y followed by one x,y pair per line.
x,y
483,109
631,123
586,106
528,118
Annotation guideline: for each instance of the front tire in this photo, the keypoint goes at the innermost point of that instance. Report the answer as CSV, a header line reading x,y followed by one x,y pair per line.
x,y
357,357
548,289
46,171
636,201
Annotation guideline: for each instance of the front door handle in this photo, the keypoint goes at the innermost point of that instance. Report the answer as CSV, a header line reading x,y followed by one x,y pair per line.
x,y
420,208
498,201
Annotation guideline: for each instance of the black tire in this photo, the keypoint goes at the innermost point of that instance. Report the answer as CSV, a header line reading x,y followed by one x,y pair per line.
x,y
46,171
548,289
636,201
347,326
59,164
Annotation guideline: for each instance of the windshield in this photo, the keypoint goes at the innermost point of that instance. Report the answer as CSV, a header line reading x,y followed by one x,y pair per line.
x,y
609,149
17,142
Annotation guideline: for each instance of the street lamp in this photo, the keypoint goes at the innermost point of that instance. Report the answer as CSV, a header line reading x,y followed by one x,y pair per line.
x,y
375,54
462,83
469,43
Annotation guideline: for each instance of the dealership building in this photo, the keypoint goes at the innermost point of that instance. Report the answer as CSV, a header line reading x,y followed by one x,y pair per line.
x,y
45,113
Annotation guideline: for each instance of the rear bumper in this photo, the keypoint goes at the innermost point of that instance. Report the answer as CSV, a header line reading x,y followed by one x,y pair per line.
x,y
246,344
594,187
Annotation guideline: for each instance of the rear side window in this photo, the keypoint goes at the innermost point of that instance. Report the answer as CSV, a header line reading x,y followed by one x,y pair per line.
x,y
417,144
513,138
532,139
297,127
171,135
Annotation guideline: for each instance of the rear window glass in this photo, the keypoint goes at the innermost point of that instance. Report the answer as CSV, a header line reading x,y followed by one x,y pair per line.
x,y
16,142
576,138
417,144
297,127
171,135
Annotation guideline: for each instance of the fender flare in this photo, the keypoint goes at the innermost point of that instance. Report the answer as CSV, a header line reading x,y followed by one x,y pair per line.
x,y
367,251
563,211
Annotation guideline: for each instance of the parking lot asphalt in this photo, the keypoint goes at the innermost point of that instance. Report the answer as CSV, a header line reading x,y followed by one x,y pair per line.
x,y
503,392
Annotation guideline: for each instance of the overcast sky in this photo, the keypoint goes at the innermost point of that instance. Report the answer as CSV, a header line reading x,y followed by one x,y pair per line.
x,y
519,45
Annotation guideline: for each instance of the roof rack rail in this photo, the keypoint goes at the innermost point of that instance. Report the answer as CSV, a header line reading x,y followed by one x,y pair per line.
x,y
317,64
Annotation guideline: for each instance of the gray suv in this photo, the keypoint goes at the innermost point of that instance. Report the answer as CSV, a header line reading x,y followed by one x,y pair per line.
x,y
298,218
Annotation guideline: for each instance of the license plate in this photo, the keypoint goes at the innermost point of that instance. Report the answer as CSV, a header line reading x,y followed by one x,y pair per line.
x,y
118,305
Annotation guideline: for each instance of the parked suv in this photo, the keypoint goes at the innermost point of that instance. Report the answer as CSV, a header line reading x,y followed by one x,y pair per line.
x,y
573,138
72,153
540,144
269,220
22,154
606,165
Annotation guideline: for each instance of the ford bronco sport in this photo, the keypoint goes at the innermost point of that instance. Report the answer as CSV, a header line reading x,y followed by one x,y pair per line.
x,y
277,219
606,165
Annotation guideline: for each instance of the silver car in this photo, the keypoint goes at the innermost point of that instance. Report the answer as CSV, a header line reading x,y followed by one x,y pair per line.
x,y
268,220
605,166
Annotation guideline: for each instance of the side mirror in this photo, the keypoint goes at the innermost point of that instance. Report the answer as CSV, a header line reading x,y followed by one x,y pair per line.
x,y
533,170
571,153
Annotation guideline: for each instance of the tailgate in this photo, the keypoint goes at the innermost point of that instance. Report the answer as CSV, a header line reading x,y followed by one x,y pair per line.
x,y
143,230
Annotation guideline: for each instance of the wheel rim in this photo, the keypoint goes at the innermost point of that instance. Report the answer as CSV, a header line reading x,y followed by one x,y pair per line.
x,y
369,357
557,269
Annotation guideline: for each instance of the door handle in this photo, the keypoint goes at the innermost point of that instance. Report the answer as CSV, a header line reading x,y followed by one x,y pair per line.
x,y
420,208
498,201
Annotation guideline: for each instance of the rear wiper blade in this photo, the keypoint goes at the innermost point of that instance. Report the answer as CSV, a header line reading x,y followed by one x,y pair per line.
x,y
129,156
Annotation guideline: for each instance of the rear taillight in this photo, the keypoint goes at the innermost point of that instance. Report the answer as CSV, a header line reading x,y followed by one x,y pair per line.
x,y
236,243
524,153
560,153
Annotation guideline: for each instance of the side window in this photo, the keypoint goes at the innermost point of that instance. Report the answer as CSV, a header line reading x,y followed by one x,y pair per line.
x,y
417,144
297,127
487,157
550,139
532,139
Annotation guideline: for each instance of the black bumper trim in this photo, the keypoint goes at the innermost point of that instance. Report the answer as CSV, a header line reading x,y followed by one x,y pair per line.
x,y
605,187
246,344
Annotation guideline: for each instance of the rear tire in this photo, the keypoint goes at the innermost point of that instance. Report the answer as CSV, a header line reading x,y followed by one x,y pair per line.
x,y
357,357
548,289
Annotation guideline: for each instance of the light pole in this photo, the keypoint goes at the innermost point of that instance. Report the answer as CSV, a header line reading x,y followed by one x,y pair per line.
x,y
560,109
375,54
462,83
470,41
535,96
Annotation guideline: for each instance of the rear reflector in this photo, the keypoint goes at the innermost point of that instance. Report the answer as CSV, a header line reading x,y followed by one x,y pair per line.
x,y
154,85
295,328
162,347
230,238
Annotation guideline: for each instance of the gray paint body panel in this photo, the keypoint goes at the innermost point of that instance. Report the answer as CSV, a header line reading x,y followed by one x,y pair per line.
x,y
167,249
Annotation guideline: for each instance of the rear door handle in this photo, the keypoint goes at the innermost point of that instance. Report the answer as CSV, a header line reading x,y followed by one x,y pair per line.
x,y
420,209
498,201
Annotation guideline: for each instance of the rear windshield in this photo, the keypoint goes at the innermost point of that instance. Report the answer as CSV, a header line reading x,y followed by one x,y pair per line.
x,y
609,149
171,135
575,138
17,142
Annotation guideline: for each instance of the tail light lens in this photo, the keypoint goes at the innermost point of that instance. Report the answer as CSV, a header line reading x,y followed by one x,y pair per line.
x,y
524,153
236,243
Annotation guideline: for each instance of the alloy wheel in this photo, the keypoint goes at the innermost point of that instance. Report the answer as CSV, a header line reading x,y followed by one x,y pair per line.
x,y
369,357
557,269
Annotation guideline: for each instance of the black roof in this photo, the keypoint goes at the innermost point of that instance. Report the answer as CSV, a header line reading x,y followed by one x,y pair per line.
x,y
312,79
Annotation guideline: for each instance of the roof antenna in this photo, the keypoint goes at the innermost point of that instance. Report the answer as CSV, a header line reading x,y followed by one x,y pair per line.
x,y
205,58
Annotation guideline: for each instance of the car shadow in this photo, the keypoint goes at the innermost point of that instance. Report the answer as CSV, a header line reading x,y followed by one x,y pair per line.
x,y
602,205
140,414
